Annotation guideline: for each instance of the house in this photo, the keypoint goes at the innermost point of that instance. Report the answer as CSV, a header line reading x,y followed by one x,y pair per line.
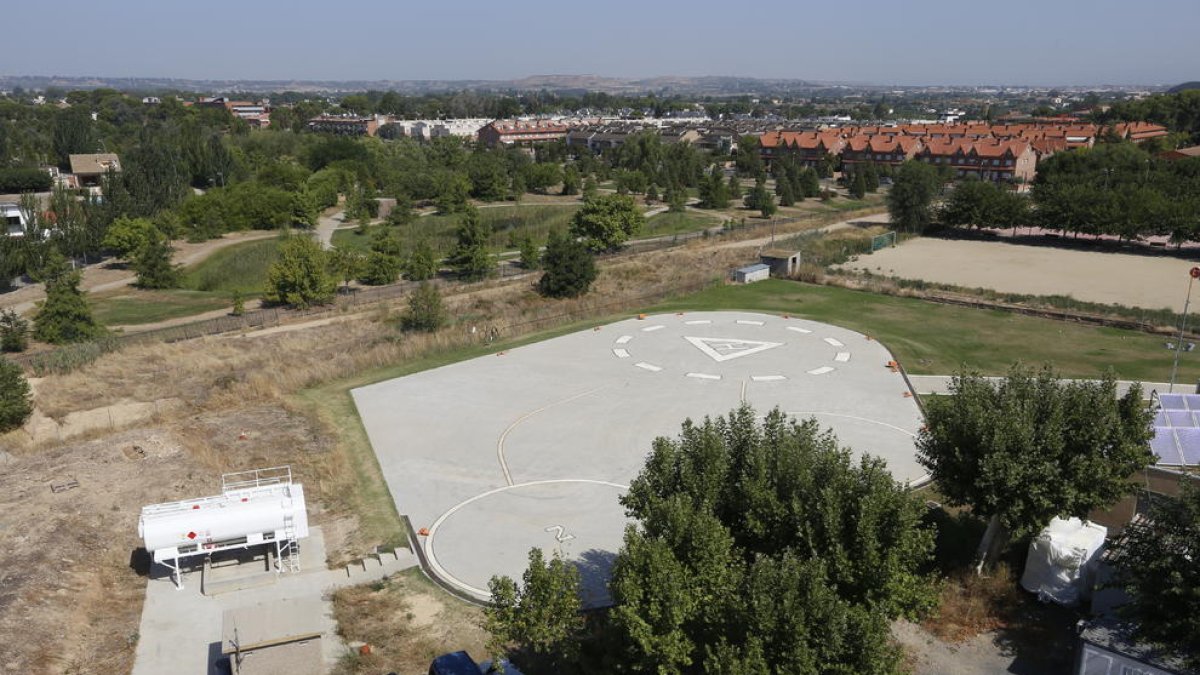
x,y
522,132
883,149
89,170
783,263
997,160
1181,153
809,148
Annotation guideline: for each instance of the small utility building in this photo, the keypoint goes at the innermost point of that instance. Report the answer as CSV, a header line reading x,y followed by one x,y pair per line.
x,y
752,273
782,263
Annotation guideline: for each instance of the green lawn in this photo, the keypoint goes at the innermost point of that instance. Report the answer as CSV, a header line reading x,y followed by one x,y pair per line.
x,y
678,223
241,267
929,338
134,307
507,223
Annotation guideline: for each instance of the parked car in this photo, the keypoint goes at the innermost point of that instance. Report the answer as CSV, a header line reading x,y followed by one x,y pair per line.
x,y
461,663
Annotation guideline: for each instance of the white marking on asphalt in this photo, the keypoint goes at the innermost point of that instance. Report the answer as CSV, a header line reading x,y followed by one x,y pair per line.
x,y
799,329
747,322
648,366
560,533
649,329
725,349
767,378
834,342
842,357
821,371
743,391
623,339
697,322
500,441
621,353
704,376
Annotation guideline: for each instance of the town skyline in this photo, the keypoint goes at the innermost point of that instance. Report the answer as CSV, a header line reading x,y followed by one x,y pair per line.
x,y
938,43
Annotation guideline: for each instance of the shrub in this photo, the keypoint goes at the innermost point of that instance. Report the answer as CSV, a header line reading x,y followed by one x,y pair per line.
x,y
16,401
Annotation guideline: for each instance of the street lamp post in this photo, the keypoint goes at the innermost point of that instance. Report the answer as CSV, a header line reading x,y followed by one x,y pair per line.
x,y
1193,274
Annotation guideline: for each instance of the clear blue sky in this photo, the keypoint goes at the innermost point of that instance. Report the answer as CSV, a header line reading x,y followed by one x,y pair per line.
x,y
879,41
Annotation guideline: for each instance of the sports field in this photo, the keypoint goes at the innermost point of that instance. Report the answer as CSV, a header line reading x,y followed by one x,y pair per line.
x,y
1147,281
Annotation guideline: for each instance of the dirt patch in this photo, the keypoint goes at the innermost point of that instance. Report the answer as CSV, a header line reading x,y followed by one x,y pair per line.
x,y
407,622
1151,282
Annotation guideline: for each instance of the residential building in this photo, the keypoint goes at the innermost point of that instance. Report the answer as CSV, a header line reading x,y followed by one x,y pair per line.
x,y
1181,153
997,160
344,126
809,148
89,170
889,149
523,132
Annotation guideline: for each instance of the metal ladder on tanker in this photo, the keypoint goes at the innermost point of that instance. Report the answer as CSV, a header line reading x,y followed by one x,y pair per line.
x,y
289,553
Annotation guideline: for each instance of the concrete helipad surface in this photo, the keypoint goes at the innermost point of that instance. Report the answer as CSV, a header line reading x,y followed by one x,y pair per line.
x,y
533,447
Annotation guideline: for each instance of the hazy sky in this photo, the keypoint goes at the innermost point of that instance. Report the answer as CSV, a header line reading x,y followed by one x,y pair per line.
x,y
879,41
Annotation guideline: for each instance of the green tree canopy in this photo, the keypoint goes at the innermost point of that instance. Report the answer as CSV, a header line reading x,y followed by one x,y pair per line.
x,y
16,401
1156,566
153,264
540,618
607,221
14,331
64,316
300,275
425,311
1030,447
126,235
570,267
471,258
422,264
910,201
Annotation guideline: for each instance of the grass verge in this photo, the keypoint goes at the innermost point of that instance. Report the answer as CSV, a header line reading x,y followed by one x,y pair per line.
x,y
929,338
241,268
133,307
678,223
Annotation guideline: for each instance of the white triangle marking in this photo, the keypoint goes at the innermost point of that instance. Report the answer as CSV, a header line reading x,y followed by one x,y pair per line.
x,y
725,349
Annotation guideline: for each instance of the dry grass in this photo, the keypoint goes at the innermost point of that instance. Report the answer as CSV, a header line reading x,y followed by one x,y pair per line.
x,y
407,621
971,604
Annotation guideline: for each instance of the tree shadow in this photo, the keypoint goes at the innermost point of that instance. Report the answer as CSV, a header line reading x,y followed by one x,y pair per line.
x,y
595,569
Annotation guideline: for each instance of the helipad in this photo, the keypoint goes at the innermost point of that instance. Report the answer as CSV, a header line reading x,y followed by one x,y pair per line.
x,y
533,447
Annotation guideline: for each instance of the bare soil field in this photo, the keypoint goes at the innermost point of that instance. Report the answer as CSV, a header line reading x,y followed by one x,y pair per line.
x,y
1146,281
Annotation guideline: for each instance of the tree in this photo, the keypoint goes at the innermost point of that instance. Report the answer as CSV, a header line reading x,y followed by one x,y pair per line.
x,y
425,312
14,331
1031,447
402,211
153,265
16,401
539,621
607,221
714,193
676,199
300,275
64,316
858,186
421,263
570,180
760,199
590,188
346,264
735,187
541,177
910,201
530,255
972,204
471,259
570,268
871,177
810,183
786,195
453,193
126,235
763,544
1157,568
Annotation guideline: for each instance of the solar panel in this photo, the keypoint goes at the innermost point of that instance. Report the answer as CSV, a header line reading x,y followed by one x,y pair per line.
x,y
1179,418
1172,401
1189,445
1163,445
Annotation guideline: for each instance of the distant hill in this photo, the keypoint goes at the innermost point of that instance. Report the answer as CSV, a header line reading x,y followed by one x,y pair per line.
x,y
1183,87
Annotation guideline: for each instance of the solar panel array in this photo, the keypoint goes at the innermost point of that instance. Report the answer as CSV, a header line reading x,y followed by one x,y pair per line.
x,y
1177,430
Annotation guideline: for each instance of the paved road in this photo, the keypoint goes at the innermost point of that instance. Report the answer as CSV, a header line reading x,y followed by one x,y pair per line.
x,y
326,224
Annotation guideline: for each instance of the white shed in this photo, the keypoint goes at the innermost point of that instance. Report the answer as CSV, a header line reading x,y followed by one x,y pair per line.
x,y
752,273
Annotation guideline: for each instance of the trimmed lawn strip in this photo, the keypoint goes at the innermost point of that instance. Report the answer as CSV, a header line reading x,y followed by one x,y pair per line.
x,y
135,307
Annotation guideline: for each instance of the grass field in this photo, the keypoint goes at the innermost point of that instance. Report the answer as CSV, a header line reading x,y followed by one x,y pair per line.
x,y
678,223
506,222
241,268
206,287
133,307
929,338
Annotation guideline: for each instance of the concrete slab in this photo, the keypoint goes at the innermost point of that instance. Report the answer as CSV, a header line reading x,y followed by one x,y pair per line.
x,y
533,447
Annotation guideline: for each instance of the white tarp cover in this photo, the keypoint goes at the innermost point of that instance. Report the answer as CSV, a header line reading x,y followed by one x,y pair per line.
x,y
1062,559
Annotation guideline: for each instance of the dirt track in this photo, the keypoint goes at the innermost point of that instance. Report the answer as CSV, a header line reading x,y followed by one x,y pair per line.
x,y
1151,282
